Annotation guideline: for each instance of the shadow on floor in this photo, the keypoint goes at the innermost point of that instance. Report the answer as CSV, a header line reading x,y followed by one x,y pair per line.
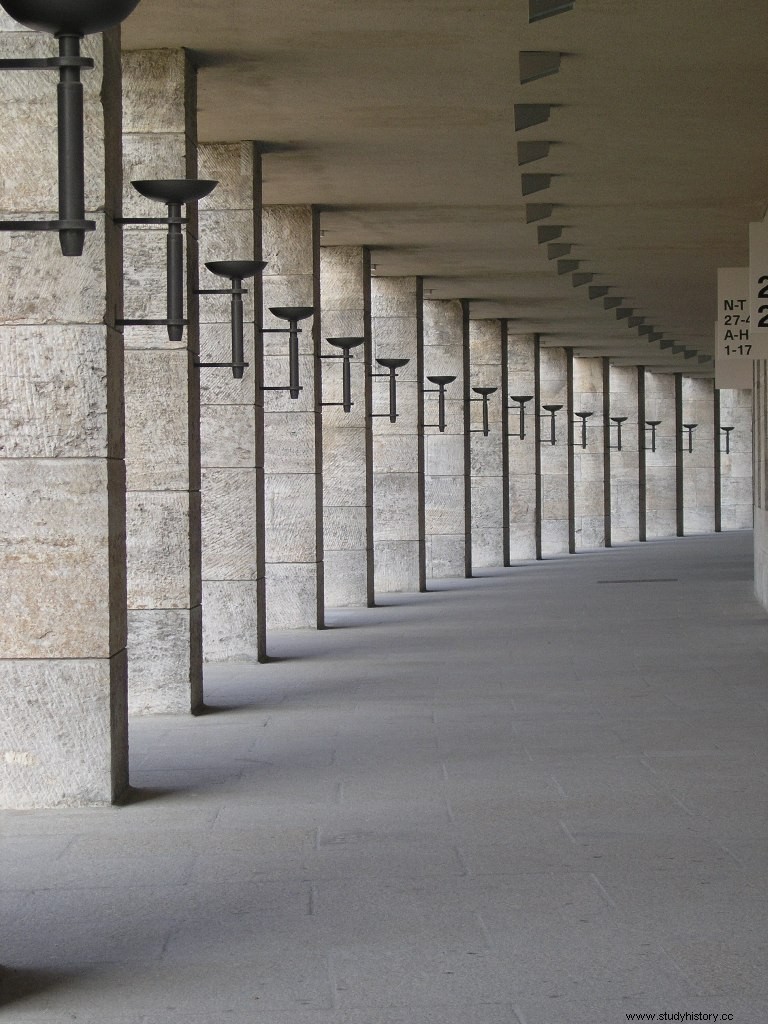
x,y
19,984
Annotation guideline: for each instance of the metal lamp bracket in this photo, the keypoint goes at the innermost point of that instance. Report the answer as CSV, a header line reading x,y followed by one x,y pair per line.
x,y
688,442
618,420
346,345
651,425
727,432
392,366
292,314
235,271
441,380
484,392
582,417
520,401
551,411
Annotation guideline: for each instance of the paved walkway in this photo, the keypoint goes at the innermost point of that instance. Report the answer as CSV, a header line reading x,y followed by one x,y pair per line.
x,y
536,797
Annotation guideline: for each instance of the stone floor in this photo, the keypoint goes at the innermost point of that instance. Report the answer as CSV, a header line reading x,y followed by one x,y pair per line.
x,y
535,797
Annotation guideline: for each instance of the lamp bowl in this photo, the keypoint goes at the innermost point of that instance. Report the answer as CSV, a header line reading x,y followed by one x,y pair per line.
x,y
175,190
441,379
392,364
69,17
520,399
292,312
484,391
552,408
235,269
345,344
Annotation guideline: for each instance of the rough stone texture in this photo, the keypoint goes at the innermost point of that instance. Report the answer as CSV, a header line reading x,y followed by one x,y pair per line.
x,y
231,422
162,398
660,465
292,440
63,735
736,467
487,470
347,437
588,462
398,448
699,465
444,468
625,466
522,452
554,458
230,621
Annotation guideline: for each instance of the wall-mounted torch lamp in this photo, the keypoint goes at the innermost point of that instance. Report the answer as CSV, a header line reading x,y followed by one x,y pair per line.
x,y
175,193
484,393
727,432
552,410
651,425
690,427
392,366
520,401
293,314
68,21
346,345
236,271
618,420
583,417
441,381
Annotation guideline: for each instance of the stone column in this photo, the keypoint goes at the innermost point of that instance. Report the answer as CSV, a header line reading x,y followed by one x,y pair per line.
x,y
760,471
231,414
660,472
554,457
445,471
63,728
699,465
487,466
625,479
522,360
398,448
736,465
345,296
293,480
162,416
589,478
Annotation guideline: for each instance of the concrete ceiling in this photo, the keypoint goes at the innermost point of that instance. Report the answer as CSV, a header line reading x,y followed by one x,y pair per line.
x,y
402,119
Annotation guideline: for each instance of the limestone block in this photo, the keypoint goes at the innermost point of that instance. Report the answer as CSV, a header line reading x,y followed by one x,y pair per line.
x,y
158,525
395,453
737,491
341,277
148,156
277,375
486,502
218,386
554,536
554,496
737,465
343,450
290,511
444,358
396,566
233,167
8,24
289,442
699,520
344,323
40,286
394,297
395,338
395,506
292,596
288,290
445,556
28,117
159,663
522,542
522,455
154,94
287,241
485,456
443,322
55,587
55,390
445,504
228,524
522,497
588,499
487,547
485,344
590,470
230,623
55,731
345,528
660,523
591,533
227,436
444,455
144,281
156,419
346,579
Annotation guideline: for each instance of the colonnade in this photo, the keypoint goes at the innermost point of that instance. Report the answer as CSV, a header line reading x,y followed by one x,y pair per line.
x,y
157,513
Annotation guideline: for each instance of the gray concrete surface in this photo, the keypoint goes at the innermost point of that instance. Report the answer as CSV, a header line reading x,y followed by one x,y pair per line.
x,y
535,797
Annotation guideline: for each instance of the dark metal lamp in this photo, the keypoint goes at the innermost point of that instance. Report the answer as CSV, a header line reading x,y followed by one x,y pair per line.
x,y
392,366
520,401
236,271
727,432
552,410
175,193
618,420
690,427
293,314
68,21
583,417
484,393
651,425
345,345
441,380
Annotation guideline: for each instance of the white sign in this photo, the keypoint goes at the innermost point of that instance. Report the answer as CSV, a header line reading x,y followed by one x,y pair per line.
x,y
758,288
733,347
